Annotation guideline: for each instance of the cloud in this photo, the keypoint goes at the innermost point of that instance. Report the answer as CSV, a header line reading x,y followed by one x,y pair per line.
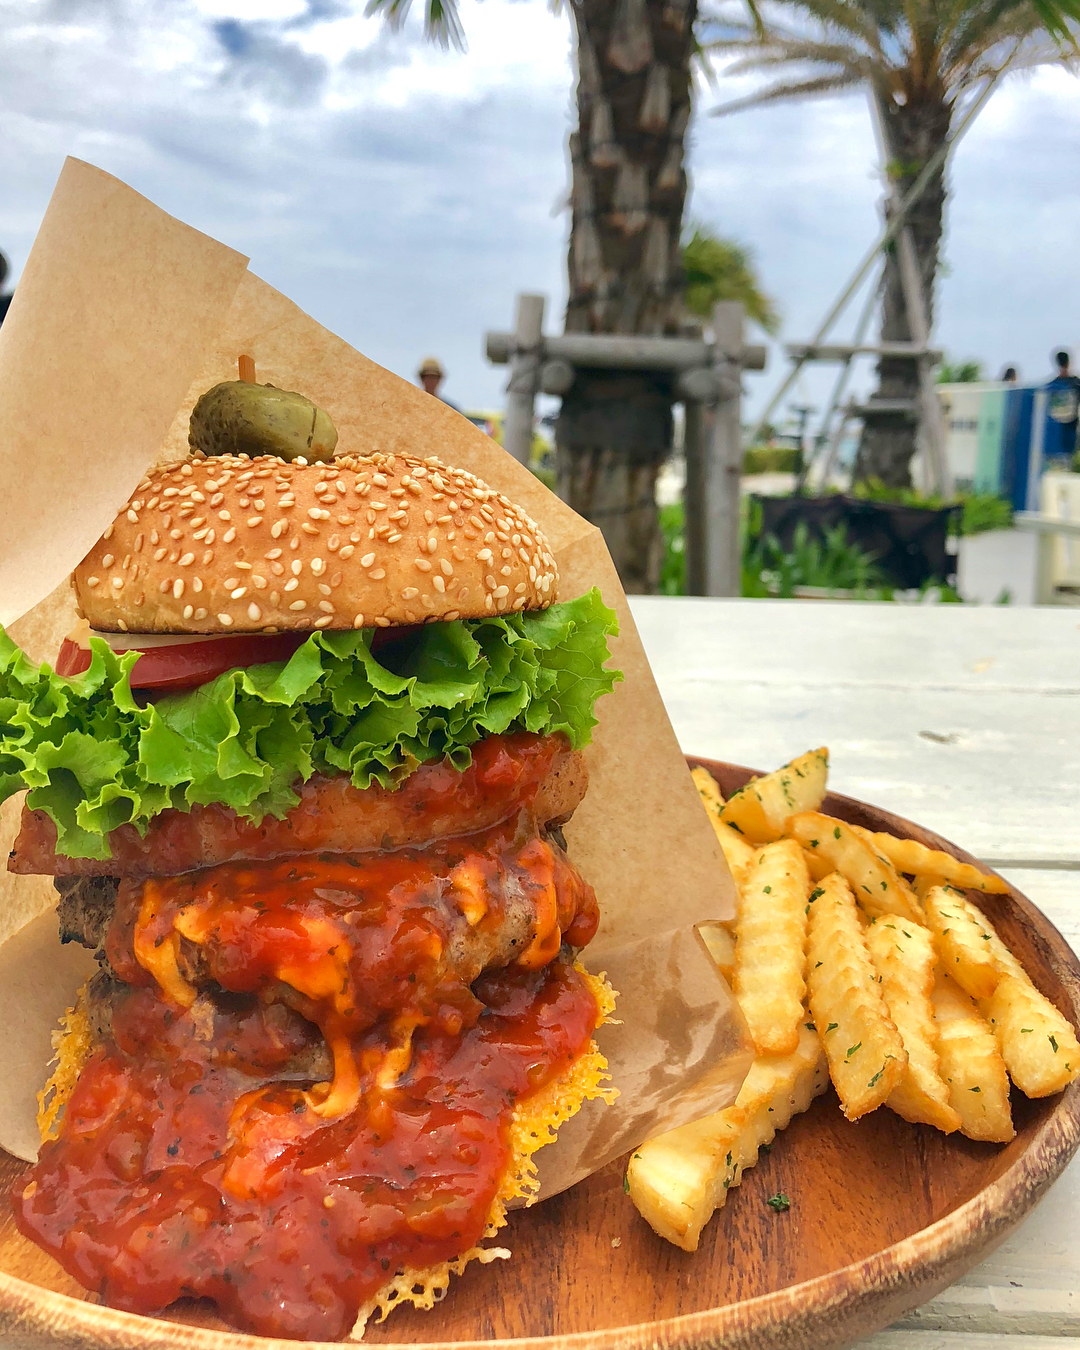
x,y
403,195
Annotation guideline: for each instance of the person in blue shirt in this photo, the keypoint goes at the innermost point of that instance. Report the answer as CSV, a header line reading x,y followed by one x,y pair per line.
x,y
1063,408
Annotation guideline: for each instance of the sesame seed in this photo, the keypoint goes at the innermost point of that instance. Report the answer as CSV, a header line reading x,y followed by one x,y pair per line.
x,y
187,559
519,604
324,589
225,620
326,606
275,598
230,582
133,516
520,587
296,566
316,513
308,529
217,498
409,593
367,559
108,560
347,551
178,588
200,614
239,593
484,555
292,584
505,571
118,583
379,480
188,611
278,569
224,515
122,625
333,543
254,612
196,582
378,574
438,583
278,528
229,535
318,567
392,538
274,553
298,604
358,622
500,591
423,565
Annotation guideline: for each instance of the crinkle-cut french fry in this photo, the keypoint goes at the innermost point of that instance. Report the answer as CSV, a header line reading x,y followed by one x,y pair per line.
x,y
708,788
866,1055
878,887
904,957
680,1179
924,884
906,855
758,810
971,952
970,1062
770,947
739,854
721,944
818,867
1037,1043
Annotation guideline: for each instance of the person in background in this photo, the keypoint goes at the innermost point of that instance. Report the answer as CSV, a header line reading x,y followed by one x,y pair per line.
x,y
1008,375
5,300
431,376
1063,408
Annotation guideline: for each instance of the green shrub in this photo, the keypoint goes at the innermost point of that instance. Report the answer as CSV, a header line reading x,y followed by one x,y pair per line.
x,y
772,459
981,510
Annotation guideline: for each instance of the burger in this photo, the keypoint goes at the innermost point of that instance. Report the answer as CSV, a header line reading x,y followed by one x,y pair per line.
x,y
299,776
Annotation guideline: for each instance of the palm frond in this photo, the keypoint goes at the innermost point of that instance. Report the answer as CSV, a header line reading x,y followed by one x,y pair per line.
x,y
442,22
821,85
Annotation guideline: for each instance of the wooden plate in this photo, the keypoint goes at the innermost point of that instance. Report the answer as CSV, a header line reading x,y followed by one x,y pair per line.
x,y
883,1216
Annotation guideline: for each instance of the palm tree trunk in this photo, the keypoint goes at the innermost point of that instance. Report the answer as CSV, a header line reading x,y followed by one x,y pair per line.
x,y
912,132
628,193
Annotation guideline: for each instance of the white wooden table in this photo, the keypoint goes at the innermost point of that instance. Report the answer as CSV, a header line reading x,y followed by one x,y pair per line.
x,y
964,718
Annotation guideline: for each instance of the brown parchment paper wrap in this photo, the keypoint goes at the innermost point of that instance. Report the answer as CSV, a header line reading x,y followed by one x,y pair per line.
x,y
123,318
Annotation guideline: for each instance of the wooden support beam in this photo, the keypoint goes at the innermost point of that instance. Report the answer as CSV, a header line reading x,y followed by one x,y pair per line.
x,y
606,352
807,351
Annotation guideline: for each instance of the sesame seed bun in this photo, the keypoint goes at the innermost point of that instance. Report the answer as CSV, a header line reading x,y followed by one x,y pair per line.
x,y
235,545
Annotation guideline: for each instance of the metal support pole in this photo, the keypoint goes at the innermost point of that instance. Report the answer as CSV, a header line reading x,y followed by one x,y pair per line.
x,y
892,228
524,377
717,499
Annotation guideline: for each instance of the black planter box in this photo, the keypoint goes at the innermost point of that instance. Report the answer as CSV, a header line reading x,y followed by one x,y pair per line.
x,y
908,543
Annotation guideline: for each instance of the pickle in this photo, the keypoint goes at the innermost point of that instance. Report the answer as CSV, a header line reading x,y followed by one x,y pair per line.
x,y
238,418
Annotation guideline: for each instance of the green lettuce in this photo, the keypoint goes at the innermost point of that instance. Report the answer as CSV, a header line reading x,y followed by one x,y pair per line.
x,y
93,759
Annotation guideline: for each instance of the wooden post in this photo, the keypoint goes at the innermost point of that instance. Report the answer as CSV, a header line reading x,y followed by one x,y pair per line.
x,y
697,427
723,460
524,377
714,466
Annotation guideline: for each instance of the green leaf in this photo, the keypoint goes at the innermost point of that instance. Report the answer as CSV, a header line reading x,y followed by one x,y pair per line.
x,y
94,759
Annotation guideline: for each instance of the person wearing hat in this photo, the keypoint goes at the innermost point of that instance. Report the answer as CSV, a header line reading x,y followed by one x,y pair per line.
x,y
431,375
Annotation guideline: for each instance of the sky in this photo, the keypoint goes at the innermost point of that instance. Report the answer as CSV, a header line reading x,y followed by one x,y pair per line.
x,y
403,194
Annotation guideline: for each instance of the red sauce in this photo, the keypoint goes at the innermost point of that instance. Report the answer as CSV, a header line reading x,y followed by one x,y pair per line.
x,y
332,816
218,1150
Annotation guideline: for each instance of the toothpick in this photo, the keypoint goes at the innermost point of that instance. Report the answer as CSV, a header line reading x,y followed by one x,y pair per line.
x,y
246,365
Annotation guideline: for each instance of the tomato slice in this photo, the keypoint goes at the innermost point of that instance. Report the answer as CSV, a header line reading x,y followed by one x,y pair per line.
x,y
185,665
188,664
